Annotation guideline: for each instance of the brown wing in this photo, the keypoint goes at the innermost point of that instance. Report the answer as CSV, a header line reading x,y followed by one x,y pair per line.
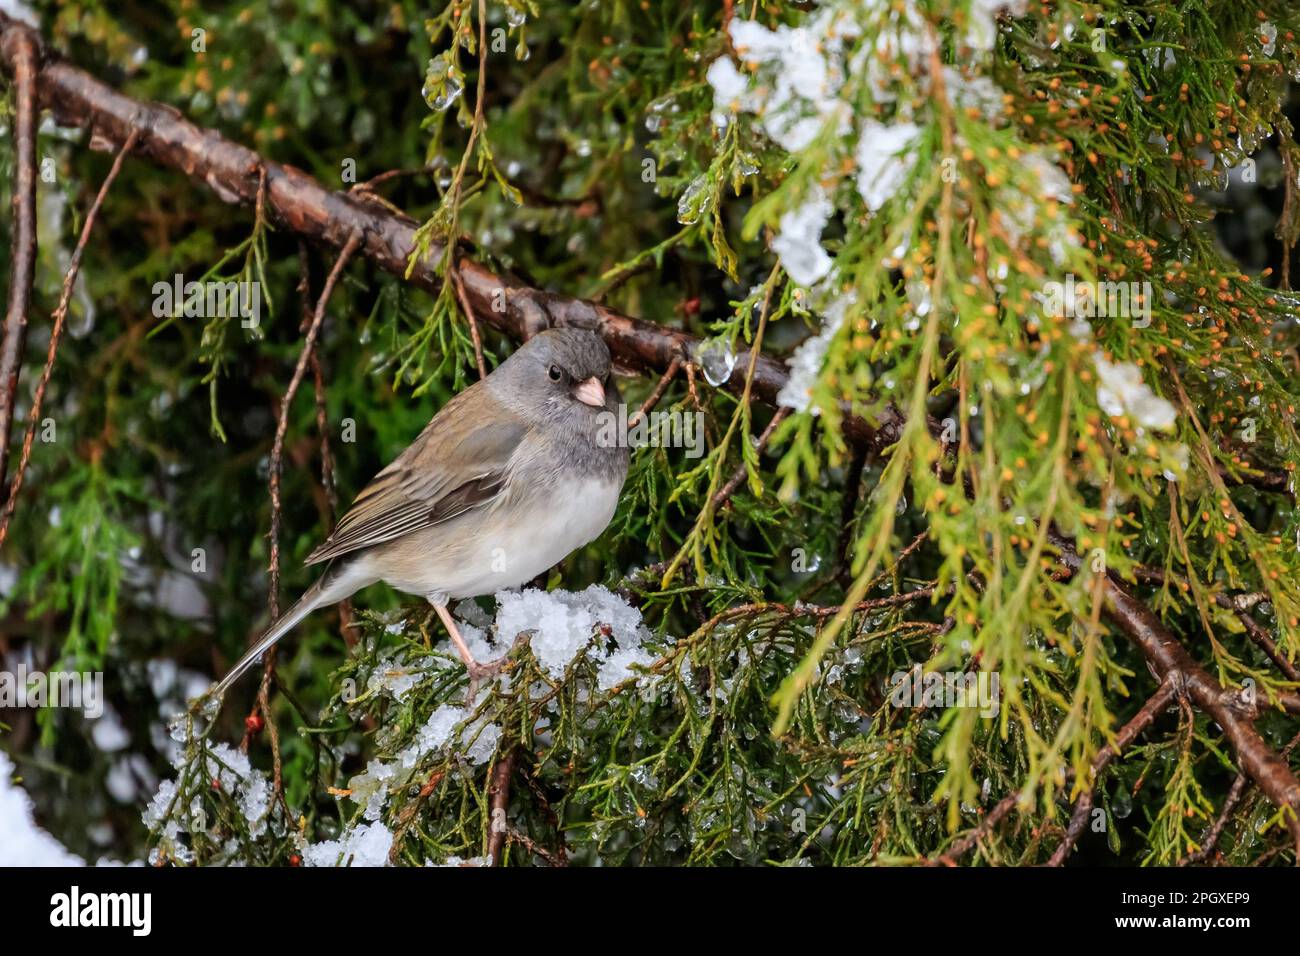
x,y
457,463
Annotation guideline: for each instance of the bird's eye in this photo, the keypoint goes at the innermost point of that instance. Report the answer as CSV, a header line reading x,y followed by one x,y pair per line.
x,y
555,373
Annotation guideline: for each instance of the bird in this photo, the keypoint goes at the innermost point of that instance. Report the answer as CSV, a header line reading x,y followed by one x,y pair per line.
x,y
509,477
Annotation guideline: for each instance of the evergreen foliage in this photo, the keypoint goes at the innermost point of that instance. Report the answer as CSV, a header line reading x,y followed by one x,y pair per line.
x,y
881,194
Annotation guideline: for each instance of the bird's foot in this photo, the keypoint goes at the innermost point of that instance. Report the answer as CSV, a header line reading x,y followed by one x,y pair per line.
x,y
480,674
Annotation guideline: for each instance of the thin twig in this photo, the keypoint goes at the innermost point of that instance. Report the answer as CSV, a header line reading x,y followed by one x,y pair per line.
x,y
1149,711
1210,842
282,426
817,612
726,491
1240,787
56,333
468,309
657,393
328,470
412,809
691,391
955,852
277,455
368,186
532,846
25,55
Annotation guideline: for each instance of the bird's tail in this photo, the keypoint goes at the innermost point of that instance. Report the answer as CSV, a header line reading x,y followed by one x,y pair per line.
x,y
312,599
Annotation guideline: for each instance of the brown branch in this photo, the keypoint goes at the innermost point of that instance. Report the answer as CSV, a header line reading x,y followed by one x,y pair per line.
x,y
954,853
1261,639
817,612
56,333
1178,672
657,393
1241,604
23,51
499,802
302,205
1149,711
1078,820
1229,709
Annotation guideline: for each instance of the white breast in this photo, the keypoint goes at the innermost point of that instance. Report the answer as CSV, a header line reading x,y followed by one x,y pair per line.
x,y
506,545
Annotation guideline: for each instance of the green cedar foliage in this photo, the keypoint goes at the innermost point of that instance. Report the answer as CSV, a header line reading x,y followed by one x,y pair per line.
x,y
881,193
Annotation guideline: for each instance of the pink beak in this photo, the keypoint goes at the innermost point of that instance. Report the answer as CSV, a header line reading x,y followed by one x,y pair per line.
x,y
590,392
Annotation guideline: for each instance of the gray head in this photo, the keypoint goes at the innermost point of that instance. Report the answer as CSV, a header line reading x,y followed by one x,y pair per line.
x,y
560,377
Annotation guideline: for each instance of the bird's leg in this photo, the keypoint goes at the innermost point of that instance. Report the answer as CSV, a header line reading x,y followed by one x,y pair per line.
x,y
450,623
477,672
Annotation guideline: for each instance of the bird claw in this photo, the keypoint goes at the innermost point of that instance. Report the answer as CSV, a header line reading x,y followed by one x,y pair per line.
x,y
480,674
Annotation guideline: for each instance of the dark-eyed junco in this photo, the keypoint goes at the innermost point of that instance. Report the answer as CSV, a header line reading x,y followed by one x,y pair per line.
x,y
506,480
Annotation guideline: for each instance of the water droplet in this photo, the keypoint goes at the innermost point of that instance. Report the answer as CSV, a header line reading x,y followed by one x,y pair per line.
x,y
1121,805
442,87
693,202
716,360
178,728
516,18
